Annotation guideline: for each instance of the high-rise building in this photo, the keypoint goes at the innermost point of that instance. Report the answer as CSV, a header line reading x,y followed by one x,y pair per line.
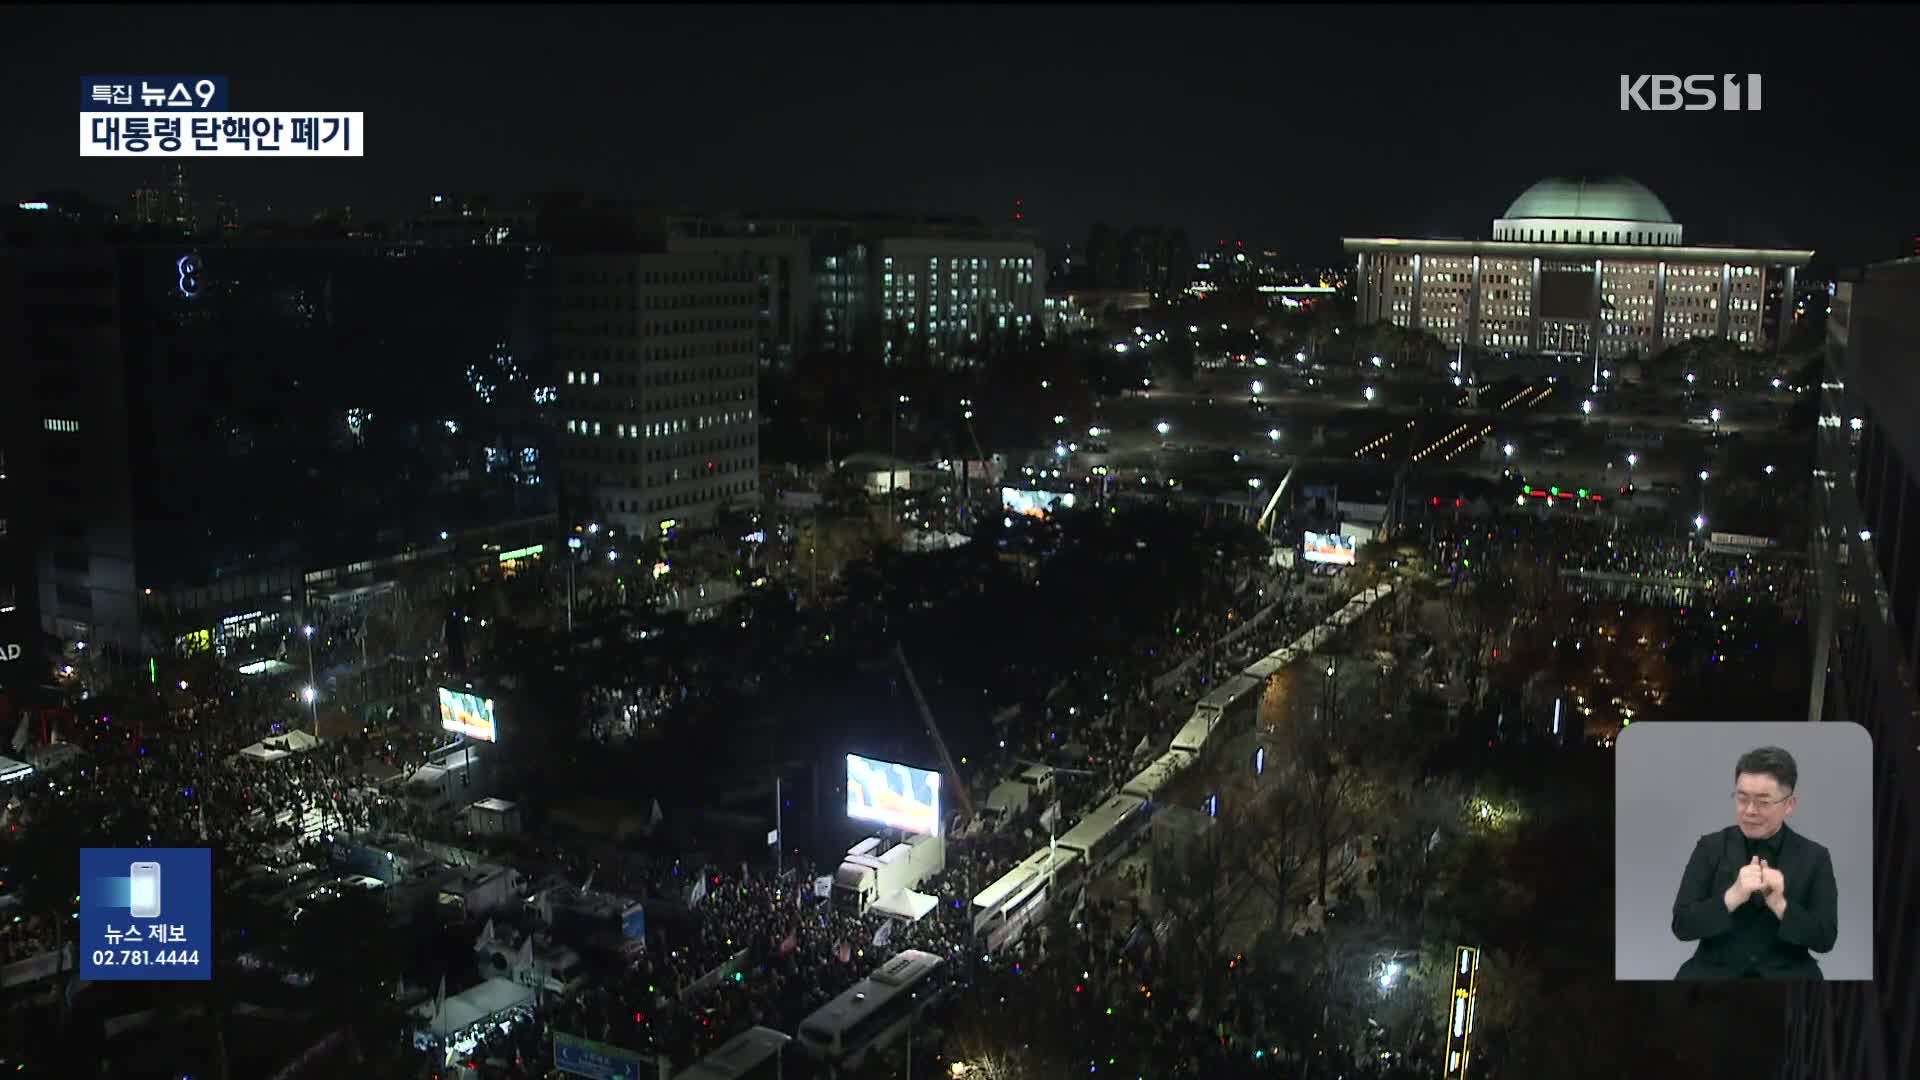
x,y
1865,607
659,387
1590,266
145,206
177,206
827,284
66,556
220,423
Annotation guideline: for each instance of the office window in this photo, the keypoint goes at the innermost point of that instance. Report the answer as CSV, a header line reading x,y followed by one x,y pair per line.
x,y
63,427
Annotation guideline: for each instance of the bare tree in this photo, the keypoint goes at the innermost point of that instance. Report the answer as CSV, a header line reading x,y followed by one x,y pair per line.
x,y
1199,877
1280,840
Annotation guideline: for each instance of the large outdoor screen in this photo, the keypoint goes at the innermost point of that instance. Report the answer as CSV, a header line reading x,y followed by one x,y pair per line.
x,y
894,795
1035,504
469,714
1328,548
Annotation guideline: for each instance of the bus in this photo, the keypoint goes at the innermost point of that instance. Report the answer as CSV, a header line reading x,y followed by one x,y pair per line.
x,y
1107,834
875,1011
1008,906
755,1054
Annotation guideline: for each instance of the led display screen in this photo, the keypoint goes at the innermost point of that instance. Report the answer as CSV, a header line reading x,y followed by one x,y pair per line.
x,y
1328,548
469,714
894,795
1035,504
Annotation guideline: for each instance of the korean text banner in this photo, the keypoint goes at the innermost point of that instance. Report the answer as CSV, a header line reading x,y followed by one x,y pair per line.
x,y
146,914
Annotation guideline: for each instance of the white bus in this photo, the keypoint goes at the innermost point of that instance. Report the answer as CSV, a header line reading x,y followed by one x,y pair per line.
x,y
1008,906
875,1011
1155,777
1108,833
754,1054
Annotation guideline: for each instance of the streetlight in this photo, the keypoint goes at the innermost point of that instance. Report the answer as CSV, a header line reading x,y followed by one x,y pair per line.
x,y
1273,434
1368,393
312,680
1714,416
1699,521
1586,407
1163,428
1768,470
1507,450
893,457
1703,475
312,697
574,544
1258,386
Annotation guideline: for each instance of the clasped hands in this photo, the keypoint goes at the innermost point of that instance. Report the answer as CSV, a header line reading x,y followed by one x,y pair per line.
x,y
1758,879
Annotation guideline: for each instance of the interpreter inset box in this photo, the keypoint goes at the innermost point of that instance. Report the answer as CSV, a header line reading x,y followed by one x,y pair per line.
x,y
1743,850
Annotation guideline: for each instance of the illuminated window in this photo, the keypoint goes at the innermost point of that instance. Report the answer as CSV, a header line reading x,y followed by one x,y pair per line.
x,y
64,427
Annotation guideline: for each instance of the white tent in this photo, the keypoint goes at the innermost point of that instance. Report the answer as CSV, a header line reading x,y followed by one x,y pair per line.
x,y
469,1007
907,904
281,746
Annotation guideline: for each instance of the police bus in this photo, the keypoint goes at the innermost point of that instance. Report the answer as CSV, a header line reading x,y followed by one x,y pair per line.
x,y
875,1012
754,1054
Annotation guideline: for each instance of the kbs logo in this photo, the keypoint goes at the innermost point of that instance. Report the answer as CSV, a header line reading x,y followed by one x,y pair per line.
x,y
1691,93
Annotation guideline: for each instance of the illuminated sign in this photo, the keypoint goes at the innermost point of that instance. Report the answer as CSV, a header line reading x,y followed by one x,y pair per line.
x,y
37,206
894,795
522,553
9,652
1035,504
188,267
467,714
1466,985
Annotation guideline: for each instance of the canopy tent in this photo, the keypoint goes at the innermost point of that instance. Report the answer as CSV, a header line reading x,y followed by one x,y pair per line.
x,y
470,1007
282,746
907,904
14,770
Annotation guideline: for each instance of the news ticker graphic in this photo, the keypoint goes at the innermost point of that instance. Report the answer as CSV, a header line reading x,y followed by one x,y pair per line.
x,y
159,93
278,134
189,116
146,914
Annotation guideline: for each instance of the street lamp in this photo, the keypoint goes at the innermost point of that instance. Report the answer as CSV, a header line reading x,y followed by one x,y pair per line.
x,y
893,456
574,544
1632,460
1273,434
311,678
1163,428
1368,393
1258,386
1507,450
1587,407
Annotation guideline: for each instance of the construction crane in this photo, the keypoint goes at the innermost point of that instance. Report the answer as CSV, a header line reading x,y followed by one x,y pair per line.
x,y
933,731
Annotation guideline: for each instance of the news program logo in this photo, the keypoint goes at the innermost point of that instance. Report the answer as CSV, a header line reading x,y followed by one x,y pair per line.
x,y
1689,93
188,116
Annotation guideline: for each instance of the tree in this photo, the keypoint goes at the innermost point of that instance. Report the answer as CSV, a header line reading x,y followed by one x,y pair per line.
x,y
1280,841
1333,790
1198,877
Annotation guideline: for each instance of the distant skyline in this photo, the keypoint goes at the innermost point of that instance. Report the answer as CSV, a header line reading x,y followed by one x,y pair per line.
x,y
1284,127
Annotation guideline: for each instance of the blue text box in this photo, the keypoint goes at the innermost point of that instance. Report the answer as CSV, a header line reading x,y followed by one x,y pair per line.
x,y
146,914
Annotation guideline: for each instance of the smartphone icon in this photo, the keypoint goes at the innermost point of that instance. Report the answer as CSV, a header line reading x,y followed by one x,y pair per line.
x,y
145,894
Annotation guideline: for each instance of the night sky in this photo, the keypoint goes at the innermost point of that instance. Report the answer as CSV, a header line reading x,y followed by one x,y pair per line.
x,y
1284,127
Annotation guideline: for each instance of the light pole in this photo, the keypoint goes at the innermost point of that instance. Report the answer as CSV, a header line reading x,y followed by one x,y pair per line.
x,y
312,679
312,697
574,544
1632,460
1163,428
1714,416
893,453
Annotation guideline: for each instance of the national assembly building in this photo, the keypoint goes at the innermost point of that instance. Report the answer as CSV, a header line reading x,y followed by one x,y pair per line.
x,y
1576,262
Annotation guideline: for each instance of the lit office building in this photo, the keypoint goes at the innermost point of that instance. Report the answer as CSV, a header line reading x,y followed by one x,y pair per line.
x,y
1865,615
659,392
951,296
1590,266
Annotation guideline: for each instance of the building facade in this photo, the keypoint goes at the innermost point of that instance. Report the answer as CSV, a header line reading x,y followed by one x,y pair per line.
x,y
1865,616
1590,266
659,388
828,283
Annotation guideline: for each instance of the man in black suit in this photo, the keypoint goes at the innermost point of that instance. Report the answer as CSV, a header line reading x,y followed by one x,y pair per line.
x,y
1757,895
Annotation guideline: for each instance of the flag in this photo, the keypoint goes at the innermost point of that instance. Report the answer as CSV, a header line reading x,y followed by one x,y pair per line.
x,y
884,934
1078,905
843,952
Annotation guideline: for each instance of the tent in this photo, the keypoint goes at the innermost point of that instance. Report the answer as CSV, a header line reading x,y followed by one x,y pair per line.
x,y
907,904
470,1007
283,746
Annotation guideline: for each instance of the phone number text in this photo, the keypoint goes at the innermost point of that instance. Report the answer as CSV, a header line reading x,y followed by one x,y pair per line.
x,y
145,957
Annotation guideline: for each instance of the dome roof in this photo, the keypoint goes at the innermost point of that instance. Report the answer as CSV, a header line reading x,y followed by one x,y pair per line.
x,y
1590,196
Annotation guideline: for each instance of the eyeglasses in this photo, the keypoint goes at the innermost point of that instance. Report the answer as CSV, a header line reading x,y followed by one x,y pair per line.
x,y
1743,800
